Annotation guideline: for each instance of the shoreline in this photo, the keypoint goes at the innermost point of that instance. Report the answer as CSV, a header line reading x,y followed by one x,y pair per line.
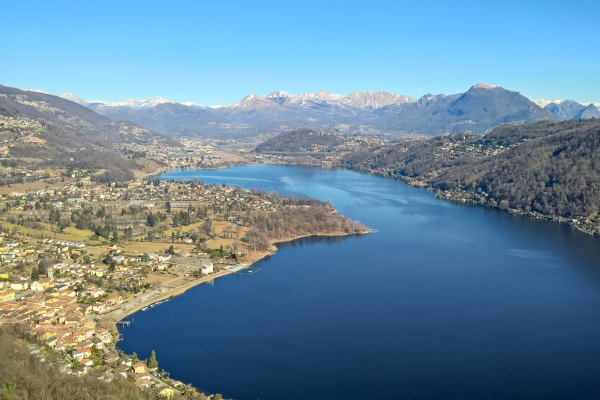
x,y
458,196
119,314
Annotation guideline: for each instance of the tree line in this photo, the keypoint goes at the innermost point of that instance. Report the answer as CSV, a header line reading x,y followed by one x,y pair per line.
x,y
549,167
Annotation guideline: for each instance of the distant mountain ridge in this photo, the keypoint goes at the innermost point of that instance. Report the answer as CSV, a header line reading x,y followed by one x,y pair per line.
x,y
478,110
70,134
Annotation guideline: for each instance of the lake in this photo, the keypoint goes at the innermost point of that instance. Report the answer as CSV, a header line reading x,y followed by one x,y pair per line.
x,y
444,301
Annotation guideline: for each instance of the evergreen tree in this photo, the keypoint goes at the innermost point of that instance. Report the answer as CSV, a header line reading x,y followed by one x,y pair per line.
x,y
35,274
152,362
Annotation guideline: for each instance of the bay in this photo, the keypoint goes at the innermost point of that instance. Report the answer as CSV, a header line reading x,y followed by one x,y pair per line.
x,y
444,301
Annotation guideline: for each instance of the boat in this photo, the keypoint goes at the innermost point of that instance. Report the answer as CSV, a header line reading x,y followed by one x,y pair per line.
x,y
144,309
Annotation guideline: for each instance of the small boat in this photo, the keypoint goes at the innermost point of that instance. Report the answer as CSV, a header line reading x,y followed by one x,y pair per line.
x,y
144,309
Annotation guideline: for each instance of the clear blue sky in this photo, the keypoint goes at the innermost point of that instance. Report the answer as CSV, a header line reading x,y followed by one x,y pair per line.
x,y
217,52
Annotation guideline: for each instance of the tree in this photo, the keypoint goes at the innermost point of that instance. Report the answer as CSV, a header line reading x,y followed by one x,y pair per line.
x,y
115,236
151,219
171,250
168,207
35,274
152,362
44,264
134,357
101,213
218,396
207,227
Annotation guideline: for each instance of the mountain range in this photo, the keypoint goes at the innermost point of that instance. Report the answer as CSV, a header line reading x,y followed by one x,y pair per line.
x,y
478,110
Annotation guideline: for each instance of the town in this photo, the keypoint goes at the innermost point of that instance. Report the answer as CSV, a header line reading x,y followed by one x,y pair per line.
x,y
77,259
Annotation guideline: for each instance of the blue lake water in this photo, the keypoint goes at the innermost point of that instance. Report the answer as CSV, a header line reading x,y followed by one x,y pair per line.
x,y
444,301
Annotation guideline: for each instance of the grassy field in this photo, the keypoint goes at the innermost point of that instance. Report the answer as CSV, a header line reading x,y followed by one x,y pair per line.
x,y
23,187
158,278
219,227
215,244
152,247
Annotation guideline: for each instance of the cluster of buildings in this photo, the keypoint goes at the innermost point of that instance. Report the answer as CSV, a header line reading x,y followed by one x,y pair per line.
x,y
57,321
193,155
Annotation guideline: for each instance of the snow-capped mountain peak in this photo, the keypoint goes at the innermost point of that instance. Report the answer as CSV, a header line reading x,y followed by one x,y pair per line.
x,y
278,94
200,106
484,86
321,95
71,97
543,102
148,102
374,100
35,90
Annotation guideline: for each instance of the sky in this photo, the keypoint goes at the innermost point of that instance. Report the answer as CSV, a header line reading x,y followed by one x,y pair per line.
x,y
218,52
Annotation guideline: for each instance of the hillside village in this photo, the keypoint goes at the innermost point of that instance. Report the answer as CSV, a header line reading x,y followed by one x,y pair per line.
x,y
78,258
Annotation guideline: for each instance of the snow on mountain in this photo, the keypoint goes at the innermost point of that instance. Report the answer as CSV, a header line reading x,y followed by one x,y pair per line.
x,y
543,102
321,95
71,97
484,86
254,102
200,106
35,90
279,94
374,100
282,100
148,102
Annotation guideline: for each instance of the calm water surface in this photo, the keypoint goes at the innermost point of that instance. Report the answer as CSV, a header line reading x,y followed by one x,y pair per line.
x,y
443,301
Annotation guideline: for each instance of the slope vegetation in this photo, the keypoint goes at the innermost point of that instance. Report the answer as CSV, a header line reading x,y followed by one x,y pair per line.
x,y
548,167
57,132
299,140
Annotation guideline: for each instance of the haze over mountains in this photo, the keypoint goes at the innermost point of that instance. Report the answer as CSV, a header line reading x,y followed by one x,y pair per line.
x,y
478,110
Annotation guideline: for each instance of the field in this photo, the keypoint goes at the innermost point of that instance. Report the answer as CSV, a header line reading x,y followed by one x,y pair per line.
x,y
23,187
158,278
134,248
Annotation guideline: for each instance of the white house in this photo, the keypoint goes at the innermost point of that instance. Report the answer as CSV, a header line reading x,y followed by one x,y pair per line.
x,y
35,285
82,353
19,285
207,268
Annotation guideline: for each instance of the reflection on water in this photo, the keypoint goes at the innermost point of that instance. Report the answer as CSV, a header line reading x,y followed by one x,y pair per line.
x,y
308,240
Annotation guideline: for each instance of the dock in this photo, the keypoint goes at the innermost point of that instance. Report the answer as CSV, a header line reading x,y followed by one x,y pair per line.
x,y
124,323
237,267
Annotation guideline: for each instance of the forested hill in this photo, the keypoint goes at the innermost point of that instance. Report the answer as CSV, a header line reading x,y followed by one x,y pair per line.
x,y
50,131
549,167
299,140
